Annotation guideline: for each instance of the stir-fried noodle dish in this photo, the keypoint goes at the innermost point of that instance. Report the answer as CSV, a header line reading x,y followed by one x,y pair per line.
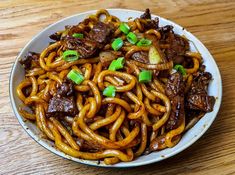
x,y
112,91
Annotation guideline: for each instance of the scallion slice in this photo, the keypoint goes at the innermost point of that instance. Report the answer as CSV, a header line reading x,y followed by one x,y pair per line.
x,y
112,66
75,76
78,35
71,55
117,44
145,76
117,64
180,68
132,38
124,28
109,91
144,42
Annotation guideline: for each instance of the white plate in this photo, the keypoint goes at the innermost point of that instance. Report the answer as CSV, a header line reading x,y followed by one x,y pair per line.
x,y
41,40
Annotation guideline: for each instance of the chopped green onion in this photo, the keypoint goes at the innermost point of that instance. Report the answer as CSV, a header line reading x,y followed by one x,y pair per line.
x,y
145,76
120,62
180,68
117,44
144,42
109,91
117,64
75,76
132,38
71,55
124,28
112,66
77,35
154,56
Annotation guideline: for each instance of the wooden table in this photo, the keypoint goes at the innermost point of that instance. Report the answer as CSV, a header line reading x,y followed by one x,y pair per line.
x,y
212,21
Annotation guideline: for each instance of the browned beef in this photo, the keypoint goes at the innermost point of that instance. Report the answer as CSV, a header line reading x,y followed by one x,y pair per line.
x,y
146,14
63,103
62,106
74,29
140,56
178,47
66,89
150,23
55,36
30,60
198,98
175,91
175,85
201,102
177,112
86,47
165,30
101,33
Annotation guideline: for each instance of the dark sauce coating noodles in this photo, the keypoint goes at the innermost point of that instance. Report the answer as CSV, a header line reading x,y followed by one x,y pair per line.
x,y
142,117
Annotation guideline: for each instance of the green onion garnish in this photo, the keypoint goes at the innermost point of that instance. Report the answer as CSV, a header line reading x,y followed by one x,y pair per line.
x,y
75,77
132,38
109,91
112,66
144,42
71,55
117,64
124,28
117,44
180,68
120,62
145,76
77,35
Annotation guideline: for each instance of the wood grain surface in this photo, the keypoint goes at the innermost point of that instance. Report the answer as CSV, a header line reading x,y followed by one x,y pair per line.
x,y
212,21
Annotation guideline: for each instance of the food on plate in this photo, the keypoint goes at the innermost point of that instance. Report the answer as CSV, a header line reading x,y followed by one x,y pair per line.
x,y
110,90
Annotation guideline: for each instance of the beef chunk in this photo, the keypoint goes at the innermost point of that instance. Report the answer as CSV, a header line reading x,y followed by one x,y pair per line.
x,y
152,24
177,112
66,89
149,23
175,91
100,33
98,36
30,60
165,30
201,102
140,56
55,36
74,29
146,15
178,47
177,44
175,85
197,97
200,83
62,106
86,47
63,103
